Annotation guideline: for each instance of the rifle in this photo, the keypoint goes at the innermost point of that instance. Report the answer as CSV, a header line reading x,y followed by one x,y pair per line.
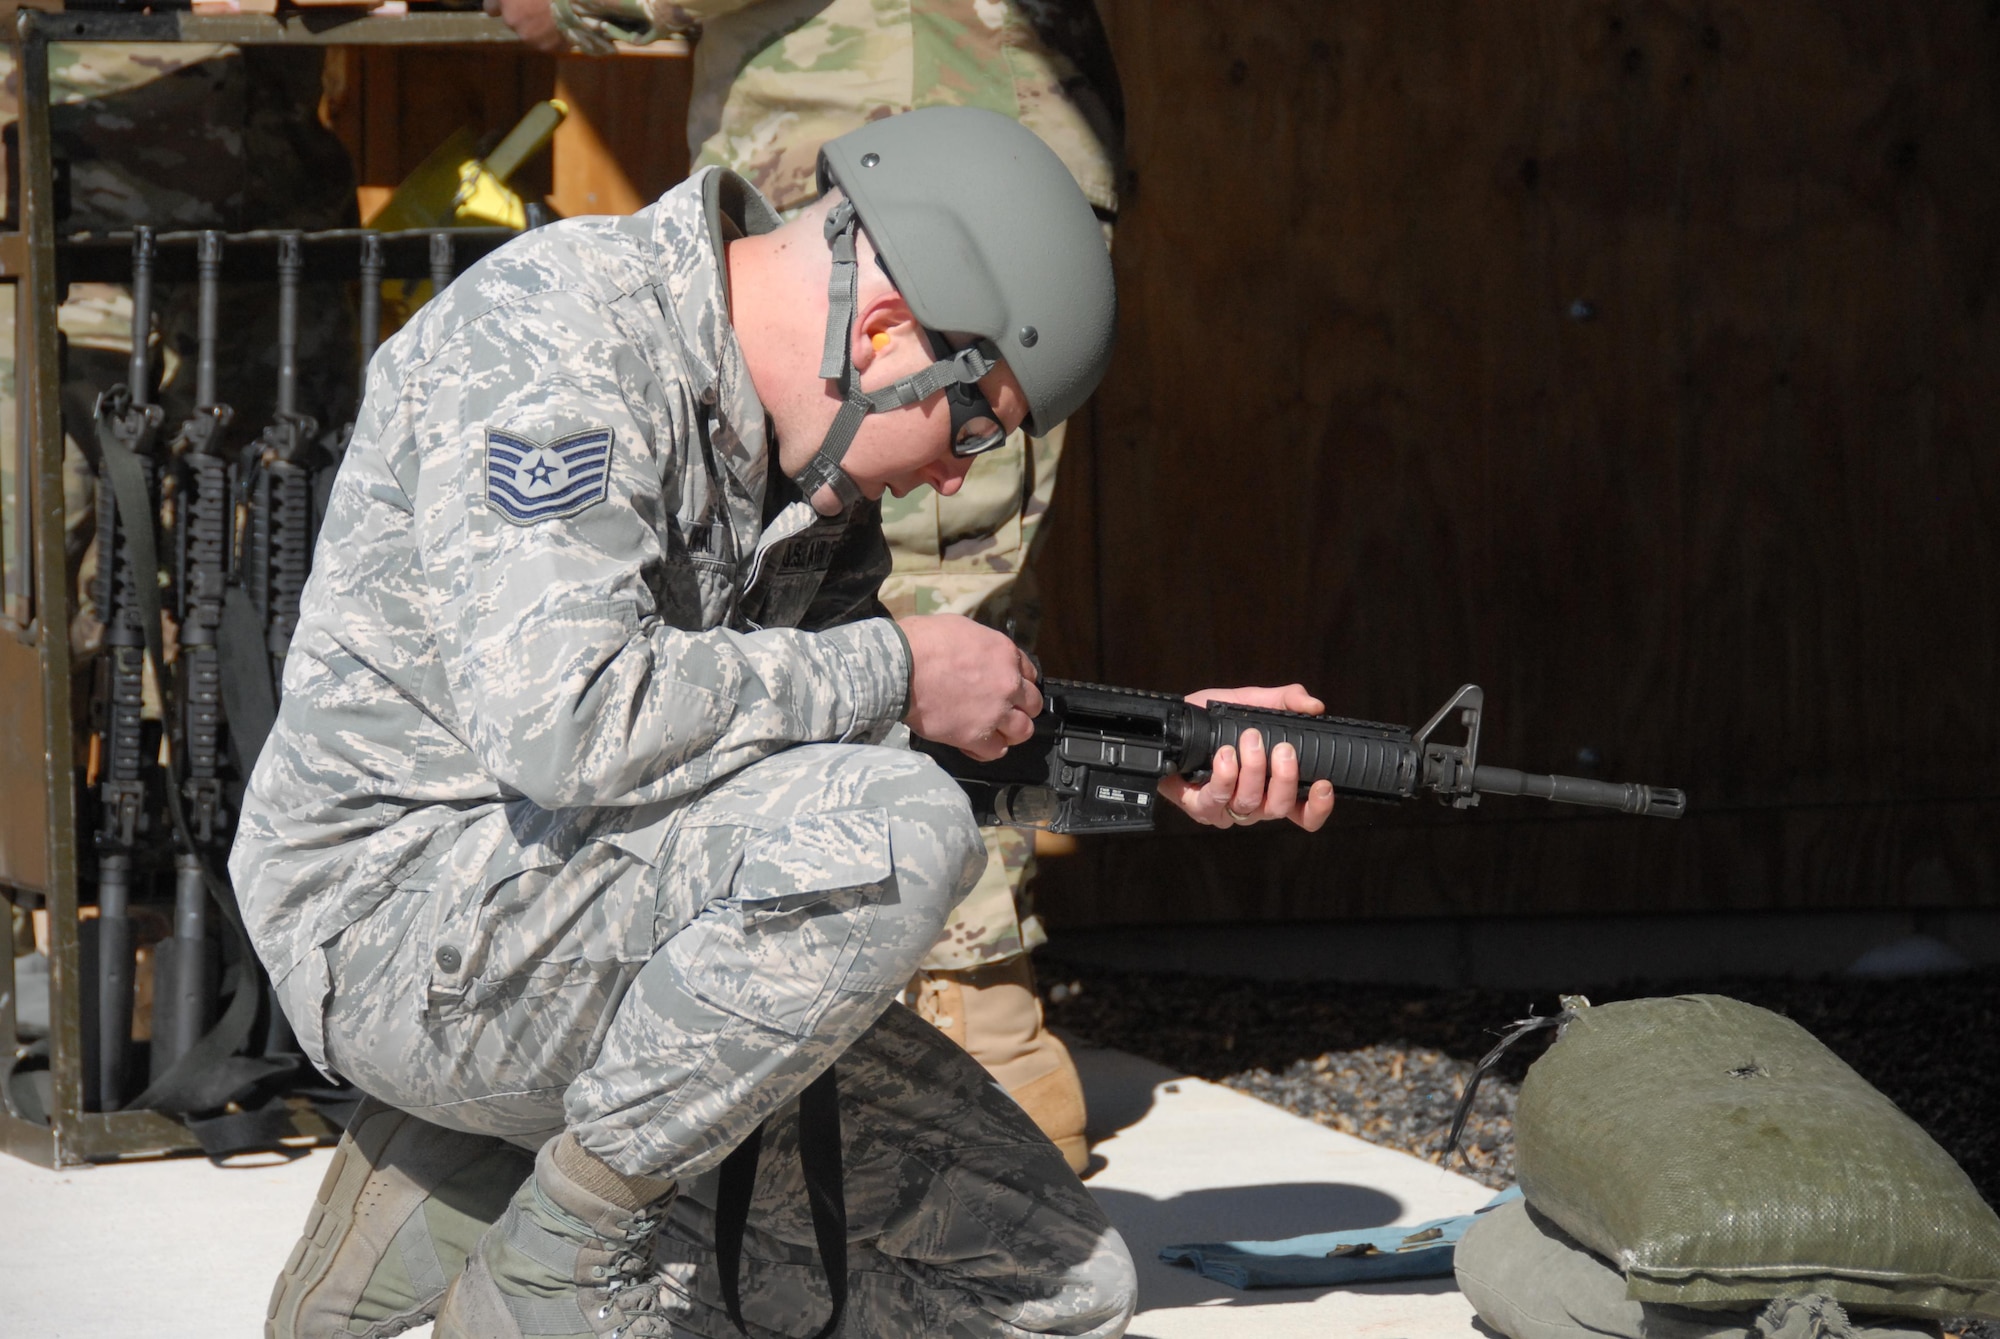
x,y
1098,753
185,965
279,523
126,426
279,544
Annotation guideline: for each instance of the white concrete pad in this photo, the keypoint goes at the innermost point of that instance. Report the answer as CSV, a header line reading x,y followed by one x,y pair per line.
x,y
1189,1161
168,1248
180,1249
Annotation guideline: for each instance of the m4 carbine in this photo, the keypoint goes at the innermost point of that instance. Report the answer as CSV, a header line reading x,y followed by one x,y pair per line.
x,y
127,429
1099,752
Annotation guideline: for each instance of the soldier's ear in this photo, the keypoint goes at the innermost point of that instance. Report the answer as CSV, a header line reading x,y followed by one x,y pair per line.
x,y
885,323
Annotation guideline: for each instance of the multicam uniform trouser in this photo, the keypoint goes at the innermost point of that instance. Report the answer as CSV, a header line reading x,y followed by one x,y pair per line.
x,y
661,1009
775,80
968,554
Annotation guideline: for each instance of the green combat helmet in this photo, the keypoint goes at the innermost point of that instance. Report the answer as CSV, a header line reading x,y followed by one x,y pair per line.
x,y
984,233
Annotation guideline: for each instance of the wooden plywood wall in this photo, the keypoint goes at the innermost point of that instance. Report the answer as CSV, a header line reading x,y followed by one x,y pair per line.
x,y
623,143
1637,360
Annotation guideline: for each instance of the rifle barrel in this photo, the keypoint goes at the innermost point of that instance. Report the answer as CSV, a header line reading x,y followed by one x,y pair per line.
x,y
291,263
184,969
208,271
1629,797
139,367
442,262
371,299
115,967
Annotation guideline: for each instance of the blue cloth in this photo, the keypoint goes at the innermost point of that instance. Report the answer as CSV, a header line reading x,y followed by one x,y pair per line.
x,y
1330,1259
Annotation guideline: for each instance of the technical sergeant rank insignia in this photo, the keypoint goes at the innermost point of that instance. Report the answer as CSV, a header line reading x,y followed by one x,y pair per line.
x,y
527,481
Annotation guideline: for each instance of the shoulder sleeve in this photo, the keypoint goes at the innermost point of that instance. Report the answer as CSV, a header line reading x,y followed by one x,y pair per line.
x,y
551,459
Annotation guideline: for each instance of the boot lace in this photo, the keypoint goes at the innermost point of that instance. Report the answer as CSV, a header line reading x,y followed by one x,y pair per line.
x,y
630,1292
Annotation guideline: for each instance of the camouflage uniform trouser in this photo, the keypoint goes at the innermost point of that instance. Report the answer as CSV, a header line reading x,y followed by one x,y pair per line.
x,y
662,1009
963,1218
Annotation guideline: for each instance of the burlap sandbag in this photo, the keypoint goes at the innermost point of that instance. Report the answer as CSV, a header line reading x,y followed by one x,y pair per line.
x,y
1529,1280
1719,1155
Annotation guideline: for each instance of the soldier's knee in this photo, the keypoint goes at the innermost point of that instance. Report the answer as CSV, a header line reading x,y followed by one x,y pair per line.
x,y
957,851
937,847
1100,1294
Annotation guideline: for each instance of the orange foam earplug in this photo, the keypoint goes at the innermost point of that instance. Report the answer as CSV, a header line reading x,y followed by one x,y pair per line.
x,y
880,340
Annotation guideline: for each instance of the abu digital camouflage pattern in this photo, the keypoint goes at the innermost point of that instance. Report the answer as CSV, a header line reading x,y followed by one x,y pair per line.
x,y
543,840
461,683
775,80
996,921
659,1005
962,1218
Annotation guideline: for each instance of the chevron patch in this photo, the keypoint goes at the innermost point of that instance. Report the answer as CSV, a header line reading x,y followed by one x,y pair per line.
x,y
529,481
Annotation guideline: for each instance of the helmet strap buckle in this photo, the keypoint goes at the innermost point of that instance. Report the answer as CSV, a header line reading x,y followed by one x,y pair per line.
x,y
964,367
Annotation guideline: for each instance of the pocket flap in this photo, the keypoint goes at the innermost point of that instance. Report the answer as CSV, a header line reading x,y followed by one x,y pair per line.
x,y
816,854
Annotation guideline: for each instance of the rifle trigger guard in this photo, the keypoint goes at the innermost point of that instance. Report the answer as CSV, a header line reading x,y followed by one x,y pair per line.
x,y
1453,763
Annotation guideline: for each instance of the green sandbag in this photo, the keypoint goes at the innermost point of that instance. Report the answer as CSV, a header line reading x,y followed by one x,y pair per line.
x,y
1720,1155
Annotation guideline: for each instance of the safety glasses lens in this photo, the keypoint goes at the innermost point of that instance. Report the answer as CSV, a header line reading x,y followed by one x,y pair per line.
x,y
978,436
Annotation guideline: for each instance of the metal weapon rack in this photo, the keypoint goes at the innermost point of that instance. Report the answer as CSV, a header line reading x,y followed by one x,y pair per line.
x,y
39,840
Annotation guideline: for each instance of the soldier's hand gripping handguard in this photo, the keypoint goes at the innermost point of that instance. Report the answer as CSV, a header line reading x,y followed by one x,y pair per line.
x,y
1098,753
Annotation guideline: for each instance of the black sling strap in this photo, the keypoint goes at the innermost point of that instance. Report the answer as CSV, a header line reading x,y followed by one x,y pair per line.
x,y
819,1160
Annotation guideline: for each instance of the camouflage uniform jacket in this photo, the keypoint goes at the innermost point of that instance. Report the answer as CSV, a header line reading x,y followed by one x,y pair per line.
x,y
560,590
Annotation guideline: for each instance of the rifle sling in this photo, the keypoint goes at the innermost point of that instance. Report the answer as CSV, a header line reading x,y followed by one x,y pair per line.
x,y
820,1163
248,702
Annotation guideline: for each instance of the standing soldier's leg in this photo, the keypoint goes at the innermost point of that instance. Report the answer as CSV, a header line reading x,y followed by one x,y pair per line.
x,y
968,554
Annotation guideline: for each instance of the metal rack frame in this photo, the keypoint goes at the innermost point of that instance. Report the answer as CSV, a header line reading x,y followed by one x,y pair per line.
x,y
38,837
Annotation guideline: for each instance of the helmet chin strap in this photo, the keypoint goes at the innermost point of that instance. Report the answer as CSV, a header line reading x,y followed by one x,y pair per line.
x,y
837,363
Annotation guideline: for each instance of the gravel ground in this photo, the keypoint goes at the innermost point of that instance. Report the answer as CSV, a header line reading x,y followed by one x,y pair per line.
x,y
1386,1063
1402,1096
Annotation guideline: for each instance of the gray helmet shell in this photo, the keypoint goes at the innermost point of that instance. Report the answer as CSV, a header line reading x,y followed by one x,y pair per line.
x,y
985,232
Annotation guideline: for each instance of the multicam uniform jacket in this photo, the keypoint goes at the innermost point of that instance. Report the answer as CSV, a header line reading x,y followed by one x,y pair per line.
x,y
774,80
560,589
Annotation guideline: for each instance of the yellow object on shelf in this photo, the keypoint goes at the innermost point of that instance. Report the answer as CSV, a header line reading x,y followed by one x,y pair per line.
x,y
454,186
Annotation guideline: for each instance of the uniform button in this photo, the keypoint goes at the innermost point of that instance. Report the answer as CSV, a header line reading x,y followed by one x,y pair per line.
x,y
449,958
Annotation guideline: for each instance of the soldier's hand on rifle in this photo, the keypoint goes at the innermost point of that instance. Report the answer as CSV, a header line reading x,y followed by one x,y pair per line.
x,y
970,686
1253,786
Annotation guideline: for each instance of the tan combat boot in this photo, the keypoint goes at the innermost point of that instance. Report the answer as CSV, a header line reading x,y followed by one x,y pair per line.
x,y
571,1258
402,1206
994,1013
